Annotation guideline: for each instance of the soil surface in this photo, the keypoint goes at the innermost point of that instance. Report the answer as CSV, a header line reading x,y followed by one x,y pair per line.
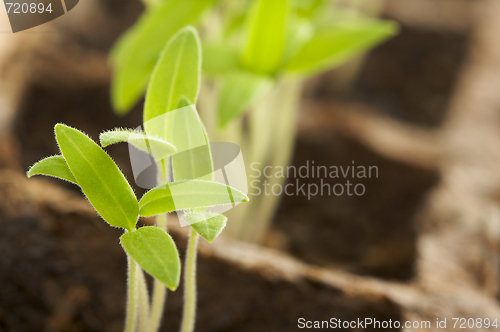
x,y
62,269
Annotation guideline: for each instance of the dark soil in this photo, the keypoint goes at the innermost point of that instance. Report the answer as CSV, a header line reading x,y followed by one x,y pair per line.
x,y
373,234
410,77
62,269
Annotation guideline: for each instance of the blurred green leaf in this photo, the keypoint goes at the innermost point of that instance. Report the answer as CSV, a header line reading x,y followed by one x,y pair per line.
x,y
218,59
238,91
135,54
55,166
154,250
300,32
208,224
100,179
155,146
308,8
265,36
176,74
189,194
331,46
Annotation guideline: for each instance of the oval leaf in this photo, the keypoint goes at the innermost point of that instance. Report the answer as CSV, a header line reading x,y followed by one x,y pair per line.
x,y
176,74
208,224
239,90
191,194
154,250
155,146
135,54
55,166
333,45
100,179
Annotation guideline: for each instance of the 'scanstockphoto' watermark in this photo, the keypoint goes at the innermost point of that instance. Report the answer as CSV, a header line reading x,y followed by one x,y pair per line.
x,y
220,162
333,180
374,323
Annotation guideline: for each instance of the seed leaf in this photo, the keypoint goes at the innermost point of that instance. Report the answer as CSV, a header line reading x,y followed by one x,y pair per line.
x,y
100,179
238,91
208,224
137,51
155,251
266,35
191,194
332,45
55,166
155,146
176,74
193,159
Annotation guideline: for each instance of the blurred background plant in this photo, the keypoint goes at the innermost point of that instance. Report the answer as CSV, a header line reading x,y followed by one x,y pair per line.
x,y
256,55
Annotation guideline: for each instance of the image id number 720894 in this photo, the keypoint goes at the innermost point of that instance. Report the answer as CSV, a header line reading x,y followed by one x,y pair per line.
x,y
24,8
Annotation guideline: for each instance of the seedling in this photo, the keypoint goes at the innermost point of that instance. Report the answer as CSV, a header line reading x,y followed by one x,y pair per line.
x,y
256,55
149,248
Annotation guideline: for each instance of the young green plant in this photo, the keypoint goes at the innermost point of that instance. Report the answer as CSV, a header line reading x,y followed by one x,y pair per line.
x,y
256,55
170,115
83,163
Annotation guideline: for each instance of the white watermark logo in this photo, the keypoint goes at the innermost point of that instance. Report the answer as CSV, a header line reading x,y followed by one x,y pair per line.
x,y
195,158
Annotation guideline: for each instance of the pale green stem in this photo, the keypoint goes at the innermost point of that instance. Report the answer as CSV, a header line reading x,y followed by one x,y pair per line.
x,y
132,292
280,155
189,310
270,145
143,302
159,289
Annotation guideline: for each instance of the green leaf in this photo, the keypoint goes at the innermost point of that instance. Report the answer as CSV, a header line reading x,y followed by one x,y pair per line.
x,y
190,194
218,59
55,166
308,8
137,51
154,250
193,159
265,36
238,91
177,74
208,224
300,32
331,46
100,179
155,146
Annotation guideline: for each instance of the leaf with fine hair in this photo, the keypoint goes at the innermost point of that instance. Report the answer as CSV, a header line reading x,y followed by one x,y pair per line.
x,y
100,179
135,54
238,91
176,74
155,146
208,224
54,166
190,194
332,45
155,251
265,36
